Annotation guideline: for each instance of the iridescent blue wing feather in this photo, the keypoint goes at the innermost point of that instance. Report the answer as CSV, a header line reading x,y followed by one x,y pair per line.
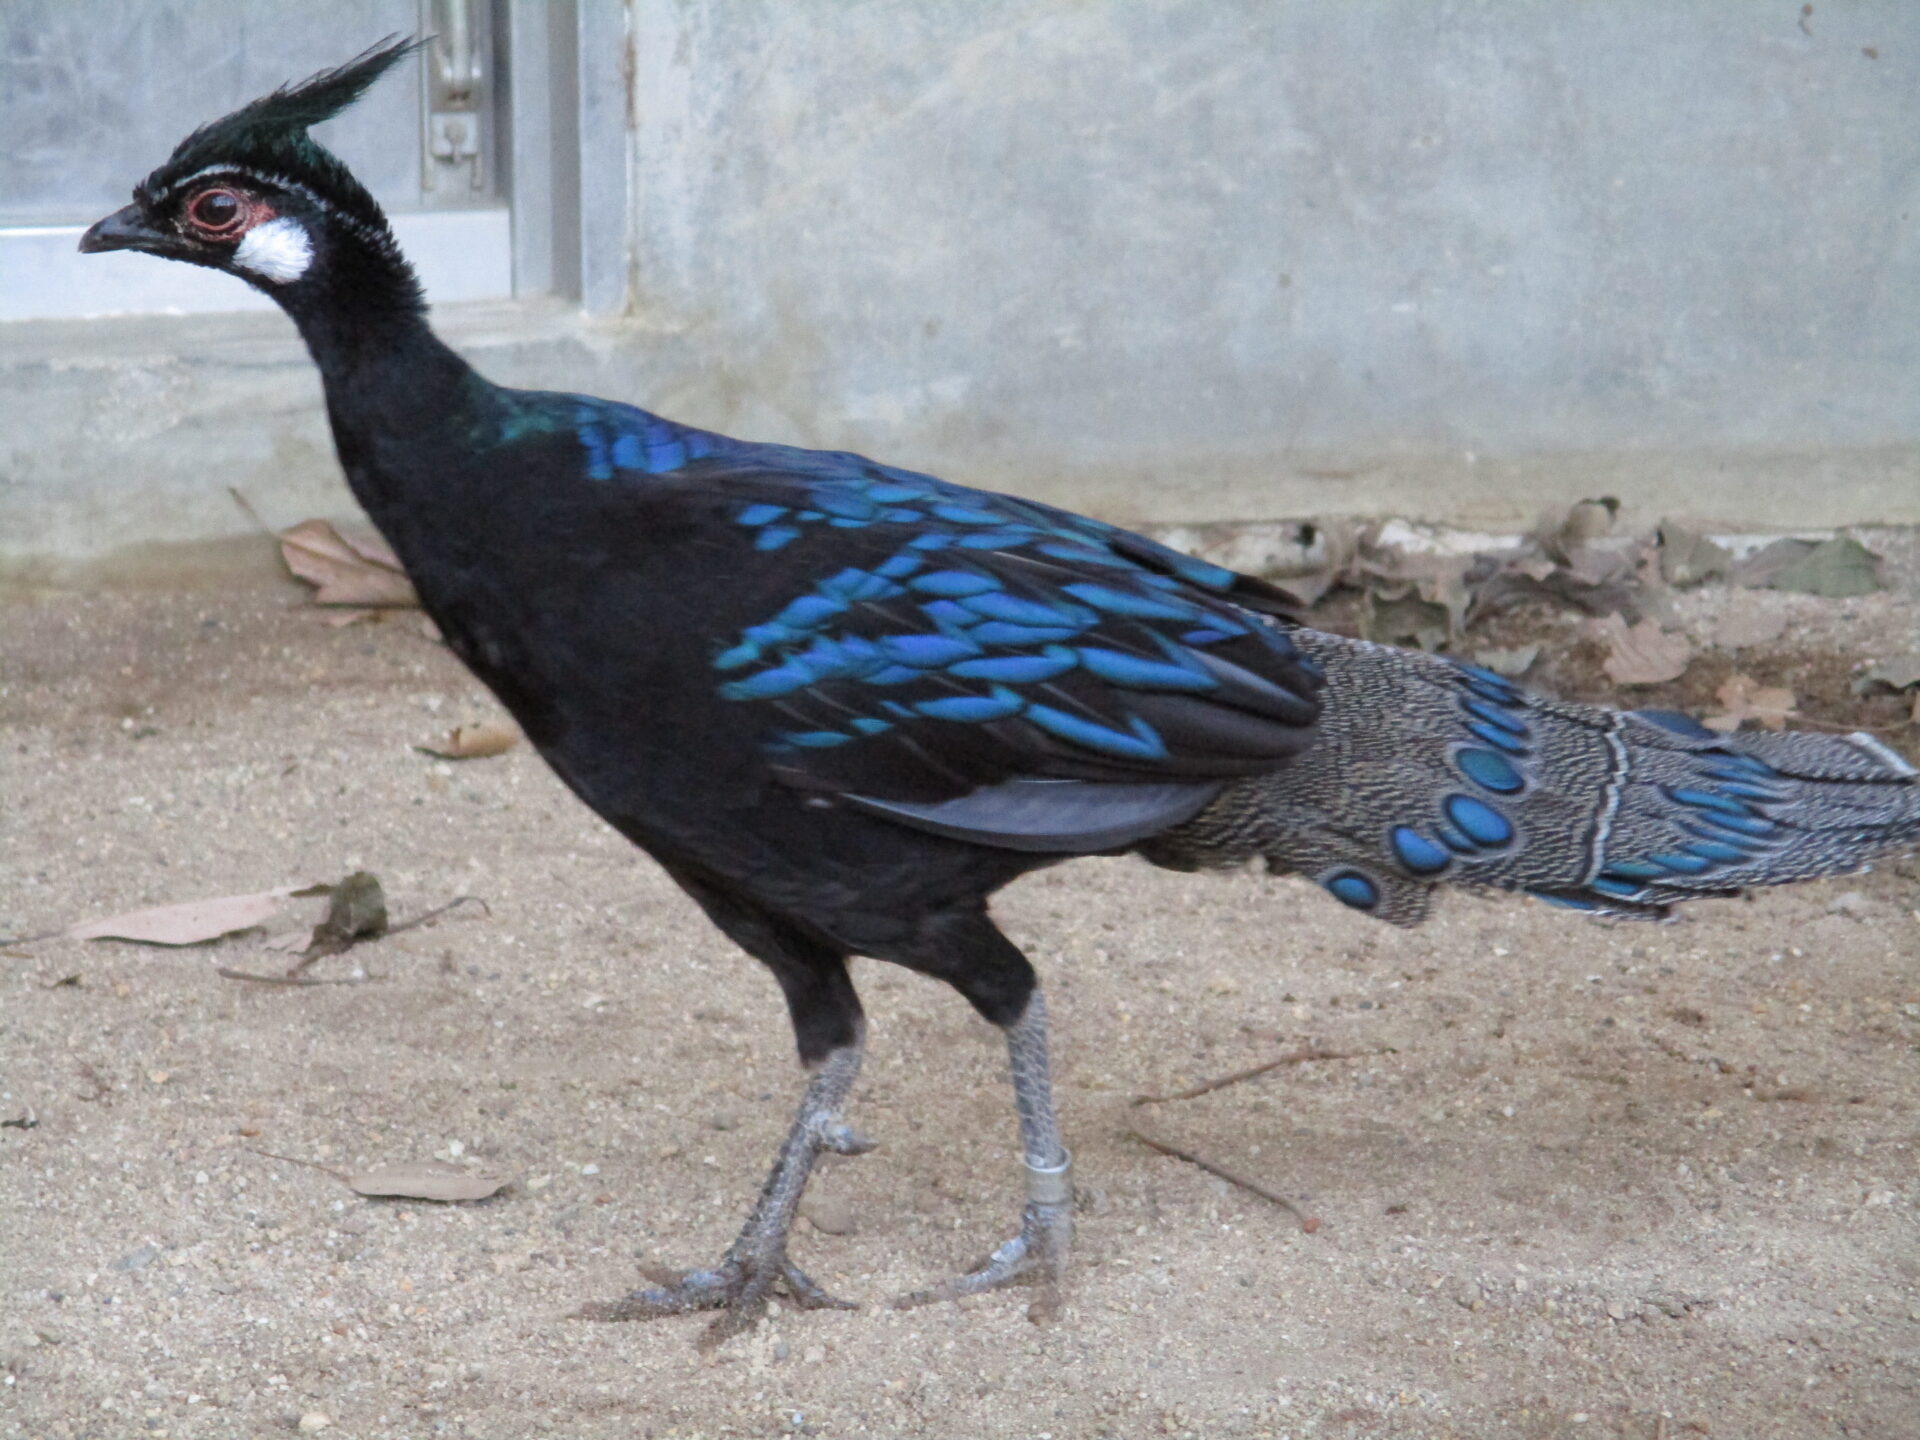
x,y
920,640
913,642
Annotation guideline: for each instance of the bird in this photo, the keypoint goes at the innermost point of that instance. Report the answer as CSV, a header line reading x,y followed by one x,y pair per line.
x,y
841,704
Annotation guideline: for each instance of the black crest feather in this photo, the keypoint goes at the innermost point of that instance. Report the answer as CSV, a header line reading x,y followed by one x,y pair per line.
x,y
270,134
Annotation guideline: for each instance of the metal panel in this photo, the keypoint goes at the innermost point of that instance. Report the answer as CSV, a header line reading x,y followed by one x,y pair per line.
x,y
94,93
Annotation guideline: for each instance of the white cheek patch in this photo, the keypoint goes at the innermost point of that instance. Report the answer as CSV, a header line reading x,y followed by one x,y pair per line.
x,y
279,250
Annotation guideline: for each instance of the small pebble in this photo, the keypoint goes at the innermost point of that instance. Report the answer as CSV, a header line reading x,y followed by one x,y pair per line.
x,y
138,1259
1853,904
314,1420
828,1214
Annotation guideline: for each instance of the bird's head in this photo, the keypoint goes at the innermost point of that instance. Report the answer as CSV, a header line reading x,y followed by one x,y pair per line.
x,y
253,194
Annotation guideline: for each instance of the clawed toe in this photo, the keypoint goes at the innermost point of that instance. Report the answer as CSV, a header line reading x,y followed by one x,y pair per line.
x,y
805,1292
739,1289
1036,1256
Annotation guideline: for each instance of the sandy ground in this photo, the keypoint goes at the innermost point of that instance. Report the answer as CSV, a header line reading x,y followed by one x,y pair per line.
x,y
1580,1180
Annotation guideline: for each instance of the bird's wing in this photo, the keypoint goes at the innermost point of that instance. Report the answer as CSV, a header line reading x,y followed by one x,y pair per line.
x,y
986,666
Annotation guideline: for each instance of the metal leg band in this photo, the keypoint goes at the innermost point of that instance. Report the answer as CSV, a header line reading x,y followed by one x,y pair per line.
x,y
1050,1184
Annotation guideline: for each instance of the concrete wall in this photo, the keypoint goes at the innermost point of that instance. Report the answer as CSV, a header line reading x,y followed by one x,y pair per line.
x,y
1196,261
1239,258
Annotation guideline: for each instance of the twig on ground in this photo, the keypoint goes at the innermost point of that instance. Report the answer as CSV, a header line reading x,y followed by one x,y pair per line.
x,y
1292,1057
1308,1223
438,911
339,1175
339,945
251,513
228,973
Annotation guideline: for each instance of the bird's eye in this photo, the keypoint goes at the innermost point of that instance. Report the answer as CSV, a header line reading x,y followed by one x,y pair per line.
x,y
215,212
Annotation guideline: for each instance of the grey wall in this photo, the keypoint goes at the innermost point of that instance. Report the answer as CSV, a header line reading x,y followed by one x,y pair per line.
x,y
1162,261
1207,248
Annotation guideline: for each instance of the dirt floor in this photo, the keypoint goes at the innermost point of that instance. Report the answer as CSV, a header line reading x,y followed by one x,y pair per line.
x,y
1576,1179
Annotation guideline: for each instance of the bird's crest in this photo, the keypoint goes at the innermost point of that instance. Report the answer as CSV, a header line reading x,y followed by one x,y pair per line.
x,y
269,135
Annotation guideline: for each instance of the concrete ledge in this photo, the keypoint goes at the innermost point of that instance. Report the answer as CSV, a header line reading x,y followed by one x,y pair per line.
x,y
132,432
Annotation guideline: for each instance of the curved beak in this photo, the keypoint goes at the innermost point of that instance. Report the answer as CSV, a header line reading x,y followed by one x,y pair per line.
x,y
123,230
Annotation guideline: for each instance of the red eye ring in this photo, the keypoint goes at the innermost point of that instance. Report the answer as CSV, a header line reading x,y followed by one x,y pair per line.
x,y
218,211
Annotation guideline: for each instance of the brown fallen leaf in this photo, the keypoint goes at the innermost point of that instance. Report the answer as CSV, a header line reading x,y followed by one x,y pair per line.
x,y
1643,655
410,1180
1584,521
1512,663
360,572
193,922
426,1180
1746,699
1837,569
475,742
1688,557
1889,677
1744,629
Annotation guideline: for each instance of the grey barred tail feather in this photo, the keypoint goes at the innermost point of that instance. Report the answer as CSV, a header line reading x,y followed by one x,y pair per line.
x,y
1425,772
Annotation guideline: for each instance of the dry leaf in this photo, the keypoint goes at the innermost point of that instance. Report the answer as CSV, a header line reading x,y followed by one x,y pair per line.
x,y
1746,699
1837,569
1687,557
475,742
1744,629
360,572
192,923
1758,570
1511,663
1584,521
1596,564
426,1180
1644,655
1889,677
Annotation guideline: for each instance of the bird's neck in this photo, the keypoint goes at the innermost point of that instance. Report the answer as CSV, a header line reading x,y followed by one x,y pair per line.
x,y
394,389
363,313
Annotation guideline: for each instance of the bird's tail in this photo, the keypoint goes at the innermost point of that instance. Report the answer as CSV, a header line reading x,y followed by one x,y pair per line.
x,y
1426,772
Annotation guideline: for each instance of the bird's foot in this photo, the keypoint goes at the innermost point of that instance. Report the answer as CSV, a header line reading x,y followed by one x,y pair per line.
x,y
756,1265
739,1287
1036,1256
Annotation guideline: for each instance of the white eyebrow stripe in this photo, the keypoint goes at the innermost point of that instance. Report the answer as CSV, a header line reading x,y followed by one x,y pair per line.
x,y
263,177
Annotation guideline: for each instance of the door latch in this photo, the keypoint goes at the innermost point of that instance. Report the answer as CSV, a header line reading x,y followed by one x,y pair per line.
x,y
454,167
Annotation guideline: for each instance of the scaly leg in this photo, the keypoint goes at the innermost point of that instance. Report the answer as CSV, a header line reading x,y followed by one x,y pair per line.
x,y
741,1283
1038,1253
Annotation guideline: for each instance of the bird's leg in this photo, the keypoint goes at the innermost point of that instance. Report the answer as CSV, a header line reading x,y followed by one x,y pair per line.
x,y
1038,1254
757,1260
